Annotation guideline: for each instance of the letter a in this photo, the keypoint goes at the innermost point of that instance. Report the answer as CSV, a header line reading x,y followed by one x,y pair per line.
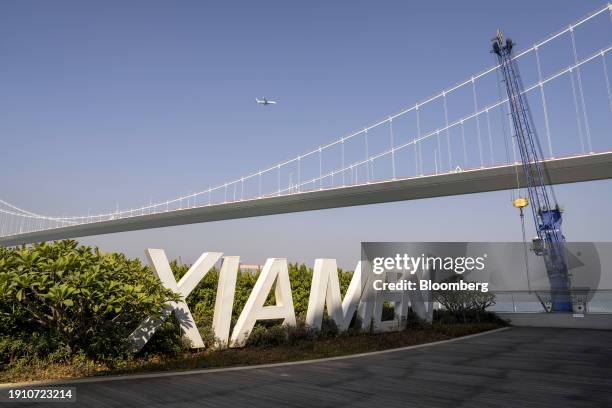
x,y
254,309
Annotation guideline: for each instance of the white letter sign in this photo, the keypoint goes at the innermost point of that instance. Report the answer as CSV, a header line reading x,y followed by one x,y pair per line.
x,y
254,309
325,289
160,265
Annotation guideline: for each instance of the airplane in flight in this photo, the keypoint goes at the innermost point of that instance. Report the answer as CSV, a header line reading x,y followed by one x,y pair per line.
x,y
264,101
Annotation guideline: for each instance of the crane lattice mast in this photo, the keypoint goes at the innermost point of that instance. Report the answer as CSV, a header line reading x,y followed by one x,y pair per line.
x,y
546,212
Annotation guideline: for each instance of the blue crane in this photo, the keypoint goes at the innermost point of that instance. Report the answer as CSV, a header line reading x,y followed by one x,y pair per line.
x,y
547,217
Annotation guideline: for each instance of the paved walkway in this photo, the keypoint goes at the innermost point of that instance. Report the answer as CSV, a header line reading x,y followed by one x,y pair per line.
x,y
520,367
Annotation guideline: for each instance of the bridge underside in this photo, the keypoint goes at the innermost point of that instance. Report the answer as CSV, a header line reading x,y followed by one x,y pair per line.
x,y
559,171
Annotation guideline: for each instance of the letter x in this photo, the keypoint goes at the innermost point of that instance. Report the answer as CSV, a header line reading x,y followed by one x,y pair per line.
x,y
160,265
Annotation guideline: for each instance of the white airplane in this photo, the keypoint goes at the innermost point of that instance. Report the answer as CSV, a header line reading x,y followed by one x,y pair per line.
x,y
264,101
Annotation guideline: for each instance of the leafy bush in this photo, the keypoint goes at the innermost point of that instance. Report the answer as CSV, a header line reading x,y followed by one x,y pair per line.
x,y
328,328
268,336
301,332
413,321
167,340
463,300
60,294
463,306
450,317
277,334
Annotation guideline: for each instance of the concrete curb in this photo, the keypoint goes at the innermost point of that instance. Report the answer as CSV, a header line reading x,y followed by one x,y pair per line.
x,y
70,382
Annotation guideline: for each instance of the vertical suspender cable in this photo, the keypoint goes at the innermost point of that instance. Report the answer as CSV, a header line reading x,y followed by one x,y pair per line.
x,y
577,111
320,169
436,160
584,113
477,122
607,78
367,155
463,142
417,146
392,146
299,173
259,184
544,107
439,148
343,183
448,145
512,136
372,166
490,135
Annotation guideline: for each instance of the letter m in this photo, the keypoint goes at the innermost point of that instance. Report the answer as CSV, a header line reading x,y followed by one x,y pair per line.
x,y
325,289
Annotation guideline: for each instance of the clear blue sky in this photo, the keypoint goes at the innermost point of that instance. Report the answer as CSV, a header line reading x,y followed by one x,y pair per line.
x,y
120,102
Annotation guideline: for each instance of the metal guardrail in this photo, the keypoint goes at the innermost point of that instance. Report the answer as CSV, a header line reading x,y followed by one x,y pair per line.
x,y
591,301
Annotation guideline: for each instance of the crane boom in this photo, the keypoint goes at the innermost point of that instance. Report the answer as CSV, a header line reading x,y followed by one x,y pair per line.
x,y
544,208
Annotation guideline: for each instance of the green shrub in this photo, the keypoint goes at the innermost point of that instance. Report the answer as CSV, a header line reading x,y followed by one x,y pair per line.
x,y
450,317
62,295
268,336
413,321
463,300
328,328
300,332
276,334
167,340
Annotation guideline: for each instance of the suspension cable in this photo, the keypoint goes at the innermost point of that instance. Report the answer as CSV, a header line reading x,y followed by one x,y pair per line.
x,y
544,107
448,144
584,113
577,111
477,123
606,77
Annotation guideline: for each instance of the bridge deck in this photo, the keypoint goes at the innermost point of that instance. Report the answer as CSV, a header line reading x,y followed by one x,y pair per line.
x,y
563,170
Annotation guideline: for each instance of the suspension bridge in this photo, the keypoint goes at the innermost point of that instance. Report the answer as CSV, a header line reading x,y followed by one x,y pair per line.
x,y
457,141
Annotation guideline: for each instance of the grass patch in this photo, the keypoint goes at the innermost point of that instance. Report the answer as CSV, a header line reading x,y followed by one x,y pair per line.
x,y
297,348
